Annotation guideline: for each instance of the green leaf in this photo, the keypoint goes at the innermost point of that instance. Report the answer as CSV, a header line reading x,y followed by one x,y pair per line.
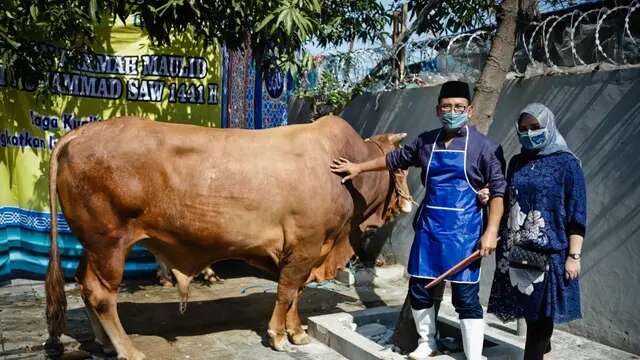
x,y
34,11
266,21
14,44
282,15
288,21
298,20
316,5
313,5
195,9
93,8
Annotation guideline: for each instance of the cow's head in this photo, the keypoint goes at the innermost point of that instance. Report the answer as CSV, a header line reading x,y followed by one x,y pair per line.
x,y
399,198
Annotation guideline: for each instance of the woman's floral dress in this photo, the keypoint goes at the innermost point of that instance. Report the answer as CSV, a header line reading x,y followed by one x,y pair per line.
x,y
546,200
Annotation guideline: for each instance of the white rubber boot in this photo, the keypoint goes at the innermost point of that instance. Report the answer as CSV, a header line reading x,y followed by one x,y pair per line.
x,y
426,326
472,337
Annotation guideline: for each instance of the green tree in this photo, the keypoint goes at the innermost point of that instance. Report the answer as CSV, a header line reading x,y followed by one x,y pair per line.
x,y
438,17
275,30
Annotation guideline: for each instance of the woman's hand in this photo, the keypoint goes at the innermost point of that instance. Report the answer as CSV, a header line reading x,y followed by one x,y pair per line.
x,y
483,196
572,268
344,166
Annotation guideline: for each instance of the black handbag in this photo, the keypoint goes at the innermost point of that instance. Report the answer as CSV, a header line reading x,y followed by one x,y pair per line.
x,y
521,257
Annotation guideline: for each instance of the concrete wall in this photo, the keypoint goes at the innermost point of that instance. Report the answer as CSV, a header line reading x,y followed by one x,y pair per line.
x,y
599,114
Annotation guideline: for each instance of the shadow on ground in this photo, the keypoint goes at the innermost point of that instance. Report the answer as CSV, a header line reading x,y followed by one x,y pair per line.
x,y
250,312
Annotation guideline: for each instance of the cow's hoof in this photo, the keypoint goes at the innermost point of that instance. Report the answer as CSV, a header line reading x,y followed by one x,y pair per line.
x,y
277,341
212,281
299,338
54,348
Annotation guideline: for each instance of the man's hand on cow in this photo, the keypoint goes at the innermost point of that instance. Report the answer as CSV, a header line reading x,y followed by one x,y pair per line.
x,y
488,242
483,196
344,166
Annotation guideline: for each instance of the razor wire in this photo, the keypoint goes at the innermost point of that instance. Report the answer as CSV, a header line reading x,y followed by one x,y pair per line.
x,y
570,40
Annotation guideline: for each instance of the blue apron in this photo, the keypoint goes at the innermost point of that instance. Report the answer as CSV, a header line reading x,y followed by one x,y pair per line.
x,y
449,222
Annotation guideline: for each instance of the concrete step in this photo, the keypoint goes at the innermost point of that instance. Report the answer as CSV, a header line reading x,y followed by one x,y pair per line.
x,y
350,334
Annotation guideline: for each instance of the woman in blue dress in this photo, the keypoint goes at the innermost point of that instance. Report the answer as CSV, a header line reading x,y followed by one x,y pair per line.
x,y
538,258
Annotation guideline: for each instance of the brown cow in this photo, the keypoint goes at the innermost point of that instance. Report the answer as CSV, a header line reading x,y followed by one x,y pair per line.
x,y
194,195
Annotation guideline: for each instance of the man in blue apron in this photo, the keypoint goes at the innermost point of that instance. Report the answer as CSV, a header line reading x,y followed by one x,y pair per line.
x,y
456,161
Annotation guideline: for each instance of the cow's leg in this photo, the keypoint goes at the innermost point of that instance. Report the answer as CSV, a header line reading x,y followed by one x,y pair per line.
x,y
296,333
292,278
210,276
164,276
99,286
101,337
277,332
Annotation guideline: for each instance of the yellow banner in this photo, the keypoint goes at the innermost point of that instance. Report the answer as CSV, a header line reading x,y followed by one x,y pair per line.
x,y
128,75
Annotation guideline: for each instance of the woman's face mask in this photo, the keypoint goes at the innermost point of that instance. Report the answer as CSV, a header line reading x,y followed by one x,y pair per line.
x,y
533,139
531,134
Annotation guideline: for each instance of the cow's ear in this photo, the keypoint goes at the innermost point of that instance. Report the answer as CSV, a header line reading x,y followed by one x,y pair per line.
x,y
397,138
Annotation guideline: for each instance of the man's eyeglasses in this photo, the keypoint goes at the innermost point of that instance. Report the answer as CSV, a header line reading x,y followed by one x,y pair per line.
x,y
455,108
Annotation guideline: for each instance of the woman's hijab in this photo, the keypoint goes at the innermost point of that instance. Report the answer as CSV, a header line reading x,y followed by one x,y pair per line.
x,y
554,142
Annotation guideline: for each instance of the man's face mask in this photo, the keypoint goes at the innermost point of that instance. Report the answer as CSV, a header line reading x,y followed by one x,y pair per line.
x,y
533,139
454,120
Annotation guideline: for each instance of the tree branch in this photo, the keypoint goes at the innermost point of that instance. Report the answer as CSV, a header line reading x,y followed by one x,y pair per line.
x,y
431,5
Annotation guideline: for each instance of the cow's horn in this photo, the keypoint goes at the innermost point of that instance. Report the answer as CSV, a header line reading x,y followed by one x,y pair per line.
x,y
367,140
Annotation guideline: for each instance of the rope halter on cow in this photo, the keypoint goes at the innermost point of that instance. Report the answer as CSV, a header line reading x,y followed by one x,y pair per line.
x,y
397,188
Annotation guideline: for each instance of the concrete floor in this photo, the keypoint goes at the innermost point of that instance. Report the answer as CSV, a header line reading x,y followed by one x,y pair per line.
x,y
222,321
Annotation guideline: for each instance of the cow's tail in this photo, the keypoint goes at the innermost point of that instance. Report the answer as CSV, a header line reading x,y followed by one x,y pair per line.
x,y
54,282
